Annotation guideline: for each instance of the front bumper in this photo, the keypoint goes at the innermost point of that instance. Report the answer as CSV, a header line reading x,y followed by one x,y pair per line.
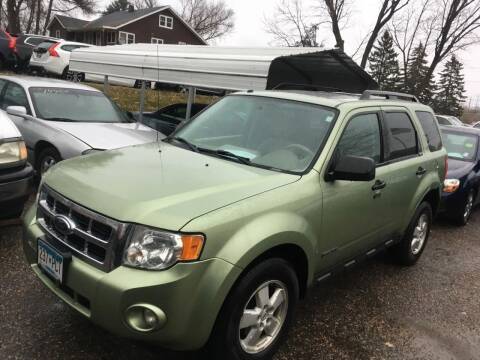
x,y
190,295
452,204
15,188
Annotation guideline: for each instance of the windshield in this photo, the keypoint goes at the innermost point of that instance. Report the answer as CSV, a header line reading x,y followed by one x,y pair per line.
x,y
460,146
271,133
75,105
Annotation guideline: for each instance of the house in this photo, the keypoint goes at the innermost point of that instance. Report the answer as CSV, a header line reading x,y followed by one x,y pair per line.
x,y
159,25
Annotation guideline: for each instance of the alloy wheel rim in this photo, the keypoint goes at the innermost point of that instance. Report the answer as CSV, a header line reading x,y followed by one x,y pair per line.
x,y
419,234
263,317
47,163
468,206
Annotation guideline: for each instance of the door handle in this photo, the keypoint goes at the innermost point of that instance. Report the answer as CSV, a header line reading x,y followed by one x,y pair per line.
x,y
379,185
421,171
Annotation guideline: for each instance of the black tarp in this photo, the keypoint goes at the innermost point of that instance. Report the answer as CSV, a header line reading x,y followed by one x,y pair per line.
x,y
325,70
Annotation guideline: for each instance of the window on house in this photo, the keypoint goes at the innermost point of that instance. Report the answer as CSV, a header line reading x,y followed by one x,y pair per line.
x,y
126,37
57,34
182,43
111,38
166,22
157,40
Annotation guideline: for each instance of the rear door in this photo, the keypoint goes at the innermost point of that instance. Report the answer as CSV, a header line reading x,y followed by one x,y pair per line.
x,y
405,166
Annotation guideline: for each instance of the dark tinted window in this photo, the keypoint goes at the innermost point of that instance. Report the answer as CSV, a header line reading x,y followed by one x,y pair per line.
x,y
443,121
2,84
71,47
402,139
361,138
14,96
430,129
34,40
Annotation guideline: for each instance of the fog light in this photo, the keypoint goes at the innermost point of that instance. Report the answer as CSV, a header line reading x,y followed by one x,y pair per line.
x,y
150,318
145,317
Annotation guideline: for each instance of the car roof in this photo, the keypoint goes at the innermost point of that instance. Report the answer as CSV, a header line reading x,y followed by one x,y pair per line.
x,y
334,99
461,129
33,81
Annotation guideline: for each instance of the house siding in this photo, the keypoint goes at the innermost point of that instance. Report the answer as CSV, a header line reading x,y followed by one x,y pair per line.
x,y
54,26
148,27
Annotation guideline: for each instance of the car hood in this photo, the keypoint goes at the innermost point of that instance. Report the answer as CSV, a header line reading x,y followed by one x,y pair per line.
x,y
159,184
458,168
7,128
105,136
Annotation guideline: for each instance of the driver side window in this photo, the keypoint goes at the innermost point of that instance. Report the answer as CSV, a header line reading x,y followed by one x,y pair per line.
x,y
361,137
15,96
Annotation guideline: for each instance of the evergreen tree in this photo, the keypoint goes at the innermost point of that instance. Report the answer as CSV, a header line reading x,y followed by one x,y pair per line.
x,y
416,81
451,89
116,5
383,64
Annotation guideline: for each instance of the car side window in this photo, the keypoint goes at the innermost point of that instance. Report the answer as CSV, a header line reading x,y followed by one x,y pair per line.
x,y
15,96
361,138
429,126
401,135
2,85
442,121
70,48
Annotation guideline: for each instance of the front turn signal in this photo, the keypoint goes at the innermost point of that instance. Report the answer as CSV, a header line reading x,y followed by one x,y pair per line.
x,y
192,247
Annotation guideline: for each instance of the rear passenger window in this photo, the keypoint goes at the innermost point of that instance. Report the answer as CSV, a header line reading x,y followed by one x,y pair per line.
x,y
361,138
429,126
402,138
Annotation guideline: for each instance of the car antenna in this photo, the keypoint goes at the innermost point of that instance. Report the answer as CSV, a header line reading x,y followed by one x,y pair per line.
x,y
158,93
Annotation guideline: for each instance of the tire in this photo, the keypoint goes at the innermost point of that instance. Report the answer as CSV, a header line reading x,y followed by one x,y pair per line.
x,y
228,341
46,159
461,219
409,250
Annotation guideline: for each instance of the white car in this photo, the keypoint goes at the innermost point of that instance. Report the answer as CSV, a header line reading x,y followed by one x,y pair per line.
x,y
53,57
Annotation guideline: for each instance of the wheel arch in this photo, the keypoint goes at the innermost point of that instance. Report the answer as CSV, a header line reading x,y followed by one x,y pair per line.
x,y
39,147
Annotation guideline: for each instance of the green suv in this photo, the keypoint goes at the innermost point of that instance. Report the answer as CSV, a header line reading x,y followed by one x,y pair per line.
x,y
208,238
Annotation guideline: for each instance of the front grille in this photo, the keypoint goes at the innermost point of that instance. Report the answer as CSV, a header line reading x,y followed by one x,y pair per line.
x,y
91,236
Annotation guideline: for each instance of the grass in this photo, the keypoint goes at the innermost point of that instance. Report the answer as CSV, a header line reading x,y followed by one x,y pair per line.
x,y
129,98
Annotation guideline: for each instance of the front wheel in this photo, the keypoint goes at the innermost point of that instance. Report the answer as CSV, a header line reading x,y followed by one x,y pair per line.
x,y
409,250
257,314
46,159
464,215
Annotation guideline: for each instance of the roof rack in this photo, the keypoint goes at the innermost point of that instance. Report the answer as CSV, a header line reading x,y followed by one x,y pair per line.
x,y
306,87
389,95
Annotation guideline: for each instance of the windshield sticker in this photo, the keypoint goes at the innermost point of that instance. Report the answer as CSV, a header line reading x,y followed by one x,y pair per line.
x,y
468,145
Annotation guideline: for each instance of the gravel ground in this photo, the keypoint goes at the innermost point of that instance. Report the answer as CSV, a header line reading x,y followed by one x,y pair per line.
x,y
376,311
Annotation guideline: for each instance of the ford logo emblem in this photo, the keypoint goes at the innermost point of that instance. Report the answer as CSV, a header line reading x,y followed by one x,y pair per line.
x,y
63,225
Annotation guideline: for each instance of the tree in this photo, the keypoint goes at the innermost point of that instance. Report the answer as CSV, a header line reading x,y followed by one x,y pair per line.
x,y
451,86
388,9
337,11
455,29
116,5
417,76
210,19
290,26
383,64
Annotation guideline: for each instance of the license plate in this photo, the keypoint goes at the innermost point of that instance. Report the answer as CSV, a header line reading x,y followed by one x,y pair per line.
x,y
50,260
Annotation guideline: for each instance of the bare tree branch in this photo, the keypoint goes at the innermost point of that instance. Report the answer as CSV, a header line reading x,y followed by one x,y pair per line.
x,y
211,19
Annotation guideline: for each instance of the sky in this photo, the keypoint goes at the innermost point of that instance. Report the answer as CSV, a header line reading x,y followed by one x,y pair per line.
x,y
250,31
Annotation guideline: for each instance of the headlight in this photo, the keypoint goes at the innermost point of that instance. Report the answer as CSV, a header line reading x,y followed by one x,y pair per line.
x,y
12,152
158,250
451,185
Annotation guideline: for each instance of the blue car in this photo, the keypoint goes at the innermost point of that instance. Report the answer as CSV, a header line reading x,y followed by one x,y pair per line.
x,y
460,192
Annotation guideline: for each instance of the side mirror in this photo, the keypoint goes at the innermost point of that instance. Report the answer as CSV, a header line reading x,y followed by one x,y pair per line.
x,y
353,168
19,111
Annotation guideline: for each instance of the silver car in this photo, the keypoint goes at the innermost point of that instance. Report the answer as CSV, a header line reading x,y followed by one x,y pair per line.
x,y
60,119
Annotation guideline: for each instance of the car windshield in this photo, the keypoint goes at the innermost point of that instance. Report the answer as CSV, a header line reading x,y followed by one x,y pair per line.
x,y
75,105
460,146
276,134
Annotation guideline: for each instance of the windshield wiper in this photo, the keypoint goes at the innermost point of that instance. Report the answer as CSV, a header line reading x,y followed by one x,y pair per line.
x,y
60,119
185,142
229,154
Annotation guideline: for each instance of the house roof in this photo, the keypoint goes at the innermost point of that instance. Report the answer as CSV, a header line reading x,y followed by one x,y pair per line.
x,y
121,18
70,23
117,20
